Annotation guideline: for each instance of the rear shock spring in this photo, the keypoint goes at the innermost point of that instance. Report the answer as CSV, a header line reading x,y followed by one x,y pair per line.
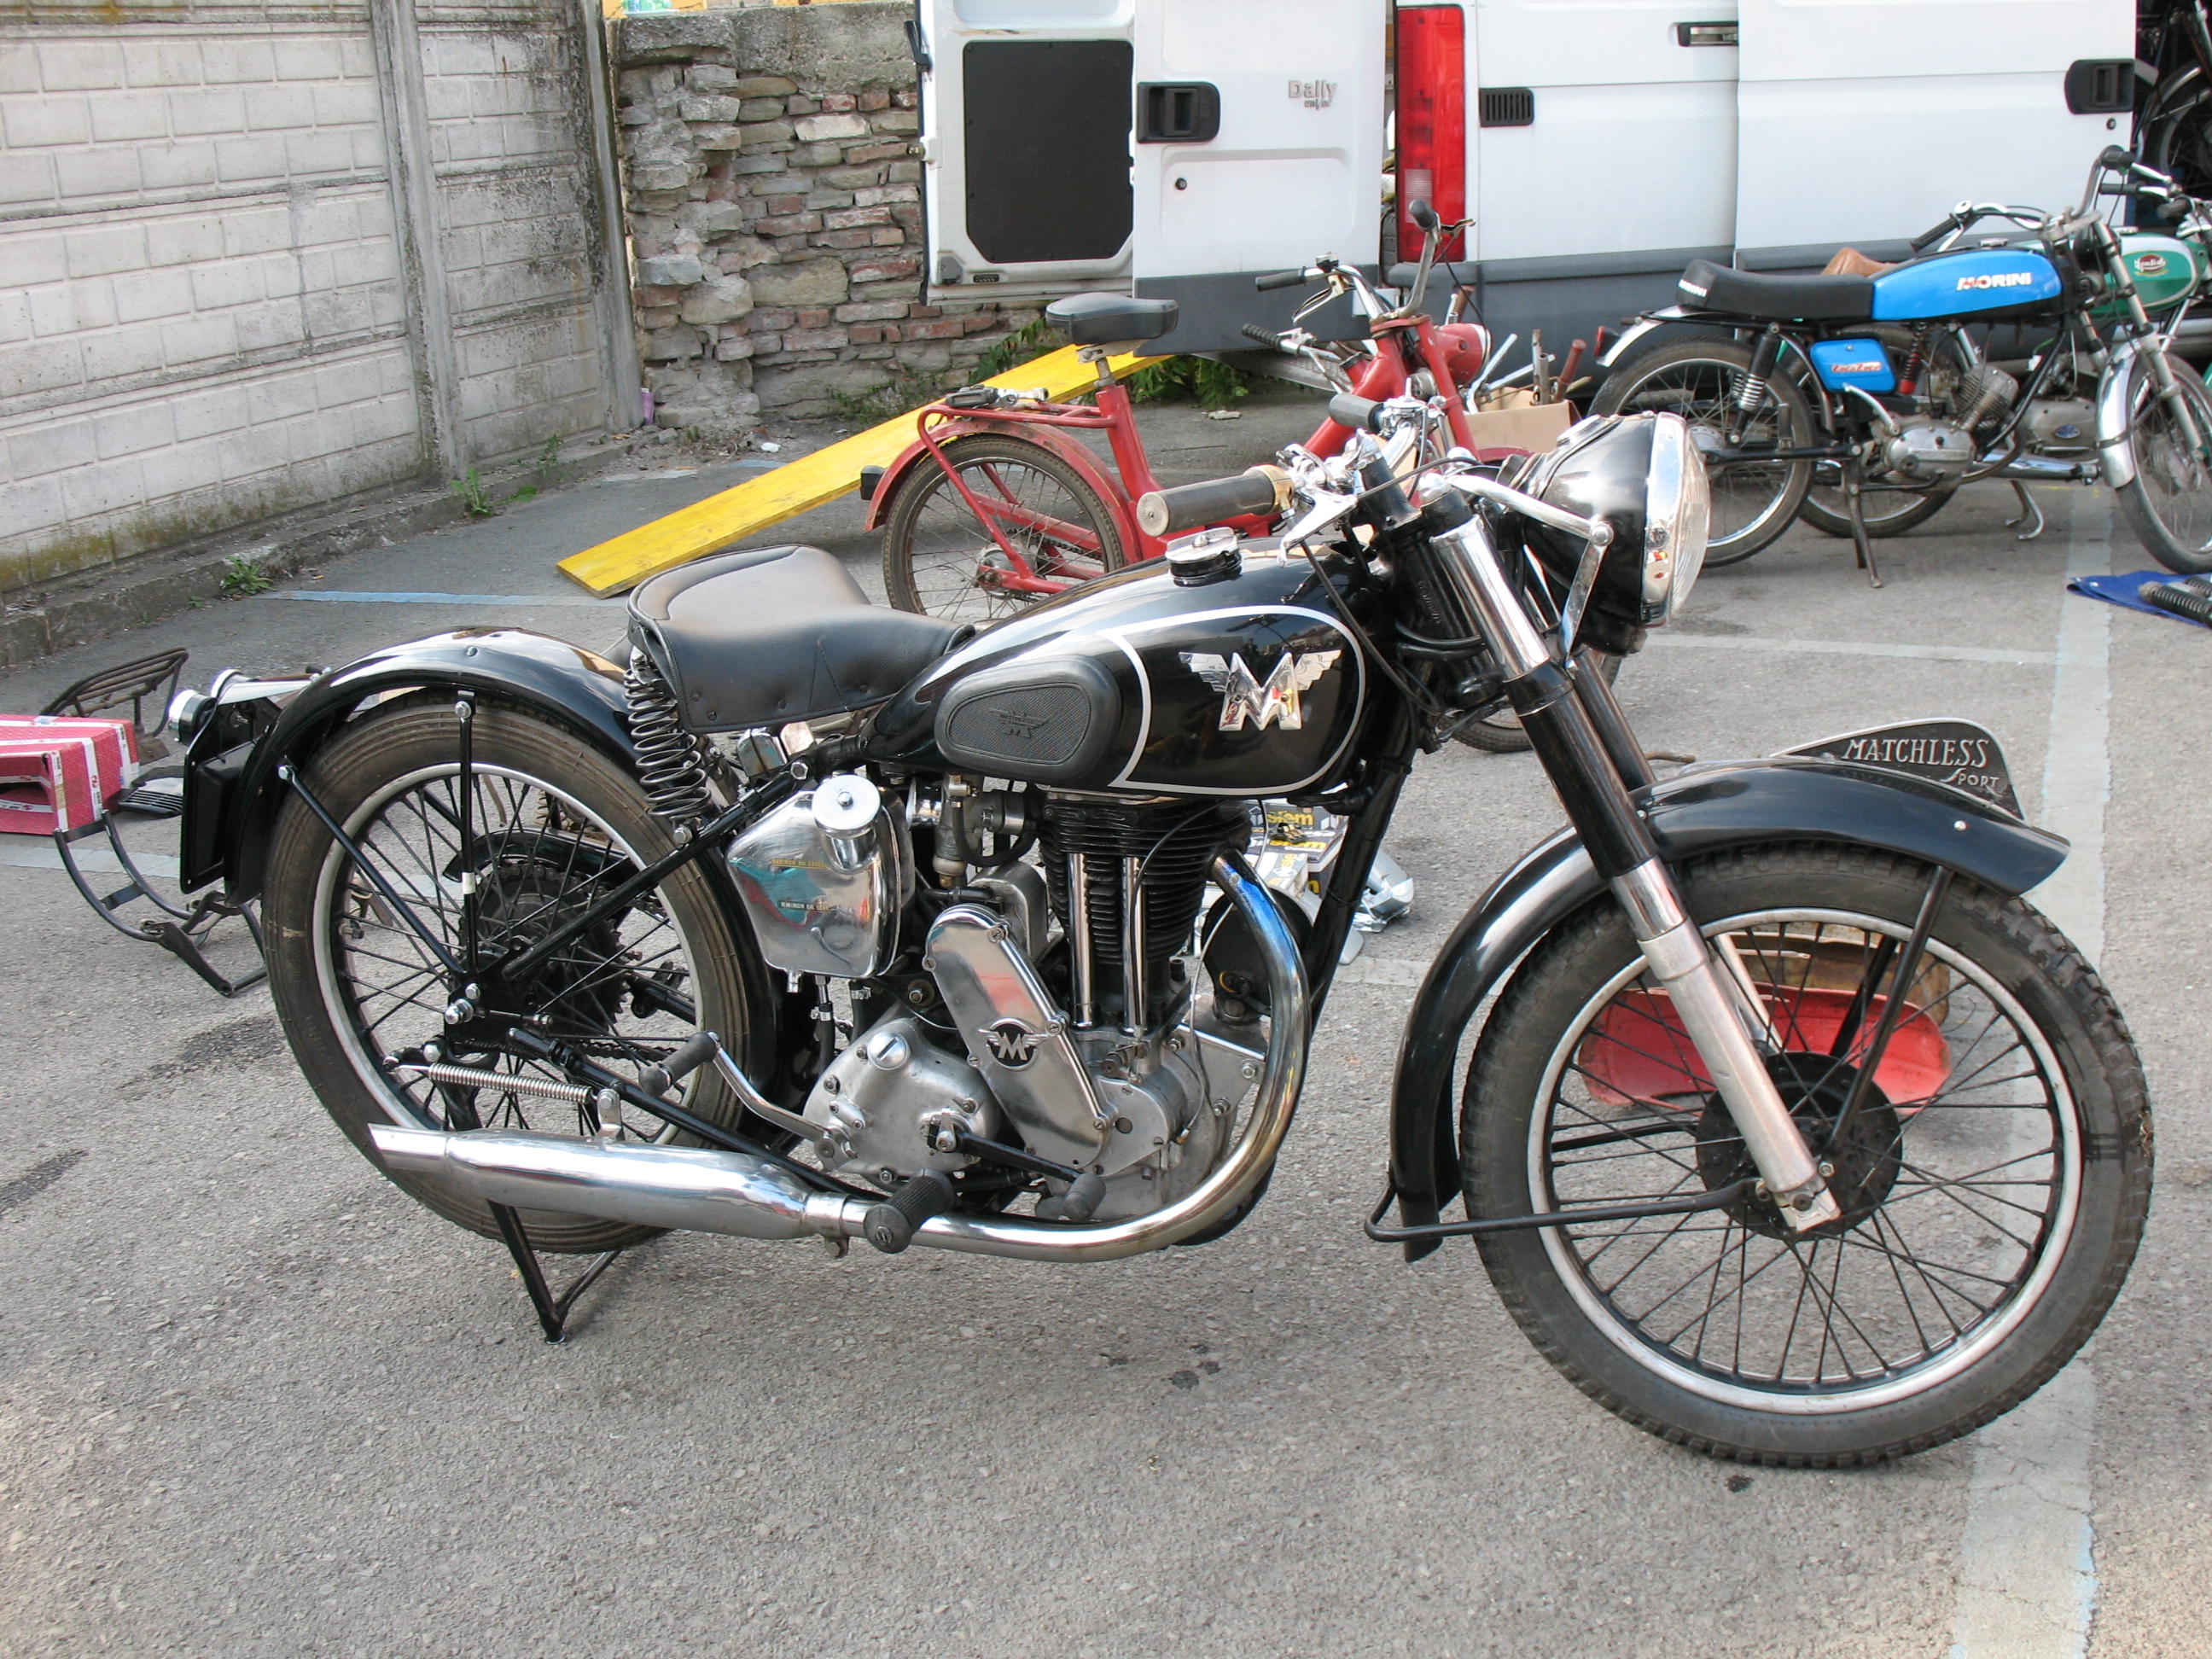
x,y
669,761
1908,380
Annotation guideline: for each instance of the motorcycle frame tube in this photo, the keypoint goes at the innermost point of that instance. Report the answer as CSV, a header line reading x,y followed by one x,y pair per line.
x,y
733,1194
575,689
1785,798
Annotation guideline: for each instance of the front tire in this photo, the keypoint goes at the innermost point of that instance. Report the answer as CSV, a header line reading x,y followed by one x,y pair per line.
x,y
2168,503
552,818
1995,1189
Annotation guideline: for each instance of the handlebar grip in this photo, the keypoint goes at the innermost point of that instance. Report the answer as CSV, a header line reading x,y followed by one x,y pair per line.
x,y
2115,157
1278,279
1253,331
1928,239
1190,506
1423,216
1349,408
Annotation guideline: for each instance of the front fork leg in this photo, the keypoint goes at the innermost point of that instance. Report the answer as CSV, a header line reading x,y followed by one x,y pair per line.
x,y
1713,1003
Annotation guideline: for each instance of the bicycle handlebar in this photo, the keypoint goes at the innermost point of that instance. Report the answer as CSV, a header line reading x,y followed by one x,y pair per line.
x,y
1280,279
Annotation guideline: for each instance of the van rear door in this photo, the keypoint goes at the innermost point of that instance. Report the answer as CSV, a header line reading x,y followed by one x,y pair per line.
x,y
1025,144
1870,122
1259,147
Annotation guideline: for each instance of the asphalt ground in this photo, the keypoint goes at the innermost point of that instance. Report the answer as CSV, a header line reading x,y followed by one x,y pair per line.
x,y
253,1402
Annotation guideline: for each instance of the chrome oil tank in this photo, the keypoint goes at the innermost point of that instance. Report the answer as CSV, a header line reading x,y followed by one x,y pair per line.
x,y
1246,685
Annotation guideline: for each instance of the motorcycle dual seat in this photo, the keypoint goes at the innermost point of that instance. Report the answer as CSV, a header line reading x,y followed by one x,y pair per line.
x,y
771,634
1108,319
1708,286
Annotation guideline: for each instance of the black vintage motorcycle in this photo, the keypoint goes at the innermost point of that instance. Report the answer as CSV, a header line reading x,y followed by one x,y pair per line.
x,y
1793,1134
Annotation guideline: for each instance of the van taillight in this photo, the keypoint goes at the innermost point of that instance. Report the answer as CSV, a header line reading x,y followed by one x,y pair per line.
x,y
1432,86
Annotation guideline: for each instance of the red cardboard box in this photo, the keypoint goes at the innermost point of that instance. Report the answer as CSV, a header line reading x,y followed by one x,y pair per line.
x,y
61,773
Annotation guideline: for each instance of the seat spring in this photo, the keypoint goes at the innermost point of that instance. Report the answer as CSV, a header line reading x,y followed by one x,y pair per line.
x,y
670,763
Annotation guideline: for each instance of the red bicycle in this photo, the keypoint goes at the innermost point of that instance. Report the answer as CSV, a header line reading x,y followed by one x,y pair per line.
x,y
997,503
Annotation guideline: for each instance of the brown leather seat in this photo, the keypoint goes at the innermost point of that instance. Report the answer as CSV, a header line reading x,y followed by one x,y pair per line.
x,y
1850,262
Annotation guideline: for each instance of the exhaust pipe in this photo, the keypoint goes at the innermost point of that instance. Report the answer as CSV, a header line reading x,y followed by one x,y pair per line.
x,y
703,1190
692,1188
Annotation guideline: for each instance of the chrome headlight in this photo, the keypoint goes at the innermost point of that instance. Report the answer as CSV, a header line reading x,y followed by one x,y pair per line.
x,y
1641,475
1678,512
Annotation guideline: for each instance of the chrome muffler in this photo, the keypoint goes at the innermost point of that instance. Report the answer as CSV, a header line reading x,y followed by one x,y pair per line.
x,y
703,1190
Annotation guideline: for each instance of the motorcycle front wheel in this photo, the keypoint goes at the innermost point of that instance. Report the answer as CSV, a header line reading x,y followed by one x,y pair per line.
x,y
1699,378
553,823
2168,503
1994,1184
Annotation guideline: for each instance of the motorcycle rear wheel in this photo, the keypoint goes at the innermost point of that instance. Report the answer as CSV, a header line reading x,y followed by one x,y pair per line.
x,y
1753,502
2168,503
937,554
1995,1189
553,819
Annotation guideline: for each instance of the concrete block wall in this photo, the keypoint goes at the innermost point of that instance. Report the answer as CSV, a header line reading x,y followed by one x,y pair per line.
x,y
211,296
773,185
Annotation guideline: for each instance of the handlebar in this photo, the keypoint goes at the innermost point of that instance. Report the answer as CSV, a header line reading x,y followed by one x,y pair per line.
x,y
1928,239
1348,409
1188,506
1280,279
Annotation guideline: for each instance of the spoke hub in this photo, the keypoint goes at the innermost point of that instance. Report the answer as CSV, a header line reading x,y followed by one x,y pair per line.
x,y
1865,1162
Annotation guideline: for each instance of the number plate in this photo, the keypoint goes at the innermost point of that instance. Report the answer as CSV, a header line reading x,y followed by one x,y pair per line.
x,y
1960,754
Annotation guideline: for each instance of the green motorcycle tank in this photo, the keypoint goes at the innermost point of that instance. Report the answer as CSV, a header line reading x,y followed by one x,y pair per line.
x,y
2166,270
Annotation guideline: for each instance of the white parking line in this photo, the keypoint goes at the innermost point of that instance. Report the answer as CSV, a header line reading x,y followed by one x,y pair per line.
x,y
1855,648
2027,1582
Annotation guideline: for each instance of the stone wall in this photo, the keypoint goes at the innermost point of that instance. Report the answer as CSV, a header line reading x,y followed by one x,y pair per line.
x,y
774,184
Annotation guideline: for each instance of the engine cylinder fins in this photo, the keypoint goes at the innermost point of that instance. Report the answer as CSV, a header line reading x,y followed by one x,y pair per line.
x,y
1173,843
671,762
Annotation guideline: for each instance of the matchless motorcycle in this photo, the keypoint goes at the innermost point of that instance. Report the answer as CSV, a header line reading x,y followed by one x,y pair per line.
x,y
1786,1127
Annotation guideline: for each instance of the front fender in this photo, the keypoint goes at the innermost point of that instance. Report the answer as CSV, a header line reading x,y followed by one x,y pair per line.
x,y
1785,798
2114,444
575,688
1071,450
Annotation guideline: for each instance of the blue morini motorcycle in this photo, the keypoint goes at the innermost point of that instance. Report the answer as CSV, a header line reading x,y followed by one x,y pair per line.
x,y
1860,400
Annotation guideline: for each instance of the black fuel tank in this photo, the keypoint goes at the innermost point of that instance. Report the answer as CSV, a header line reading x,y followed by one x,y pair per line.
x,y
1248,685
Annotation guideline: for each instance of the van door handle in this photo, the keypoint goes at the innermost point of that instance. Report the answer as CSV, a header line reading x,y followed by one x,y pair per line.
x,y
1178,112
1704,35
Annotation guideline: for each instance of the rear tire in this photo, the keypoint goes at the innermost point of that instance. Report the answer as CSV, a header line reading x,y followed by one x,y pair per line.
x,y
2168,503
1753,501
936,552
1993,1198
352,983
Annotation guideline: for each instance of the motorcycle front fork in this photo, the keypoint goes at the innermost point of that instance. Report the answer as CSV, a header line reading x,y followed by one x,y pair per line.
x,y
1591,761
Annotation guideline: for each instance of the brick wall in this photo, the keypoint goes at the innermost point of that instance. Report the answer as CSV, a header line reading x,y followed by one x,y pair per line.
x,y
214,299
773,182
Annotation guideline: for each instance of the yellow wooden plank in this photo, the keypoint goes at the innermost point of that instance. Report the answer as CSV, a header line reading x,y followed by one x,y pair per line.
x,y
615,566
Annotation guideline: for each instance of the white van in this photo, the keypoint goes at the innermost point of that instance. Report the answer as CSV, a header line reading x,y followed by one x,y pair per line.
x,y
1175,147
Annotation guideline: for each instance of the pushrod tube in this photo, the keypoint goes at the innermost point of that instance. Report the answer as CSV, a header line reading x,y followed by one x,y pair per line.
x,y
1591,789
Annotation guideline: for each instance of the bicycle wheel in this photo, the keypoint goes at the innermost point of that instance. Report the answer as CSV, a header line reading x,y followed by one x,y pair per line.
x,y
554,821
1995,1182
2177,130
1753,501
939,559
2168,503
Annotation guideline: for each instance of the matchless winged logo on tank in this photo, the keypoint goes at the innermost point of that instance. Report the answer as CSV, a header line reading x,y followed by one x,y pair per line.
x,y
1272,701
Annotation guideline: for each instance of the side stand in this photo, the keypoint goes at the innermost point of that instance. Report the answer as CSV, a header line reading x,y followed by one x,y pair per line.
x,y
2030,514
552,1311
1858,506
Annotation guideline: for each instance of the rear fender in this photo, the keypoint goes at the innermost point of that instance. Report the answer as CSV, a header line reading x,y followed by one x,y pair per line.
x,y
1785,798
1069,449
571,687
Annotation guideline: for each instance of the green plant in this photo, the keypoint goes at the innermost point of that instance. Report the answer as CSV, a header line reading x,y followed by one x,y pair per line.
x,y
1031,340
242,578
545,471
1198,379
907,389
470,488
